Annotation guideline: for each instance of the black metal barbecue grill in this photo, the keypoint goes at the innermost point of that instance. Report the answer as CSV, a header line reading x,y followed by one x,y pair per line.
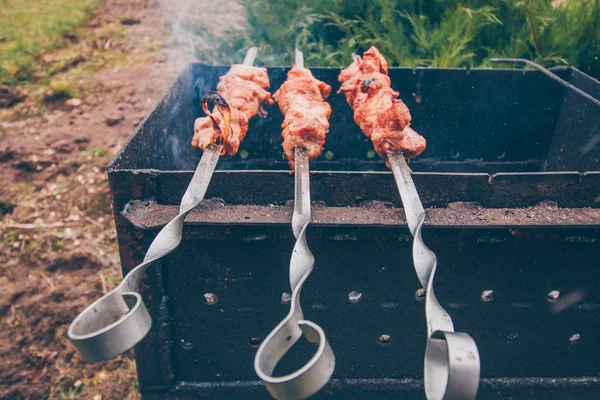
x,y
511,181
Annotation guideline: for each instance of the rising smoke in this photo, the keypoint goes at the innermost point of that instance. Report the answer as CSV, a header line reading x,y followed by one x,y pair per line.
x,y
190,24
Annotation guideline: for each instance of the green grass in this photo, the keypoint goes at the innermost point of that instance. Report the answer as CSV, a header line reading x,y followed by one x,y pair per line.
x,y
440,33
30,27
59,90
98,151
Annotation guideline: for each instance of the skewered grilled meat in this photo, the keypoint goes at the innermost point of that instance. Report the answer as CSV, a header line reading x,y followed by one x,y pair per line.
x,y
383,117
244,88
301,100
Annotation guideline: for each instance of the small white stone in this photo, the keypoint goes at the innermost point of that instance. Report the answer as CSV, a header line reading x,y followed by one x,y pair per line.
x,y
74,102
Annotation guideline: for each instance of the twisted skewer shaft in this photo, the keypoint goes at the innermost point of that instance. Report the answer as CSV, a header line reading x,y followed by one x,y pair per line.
x,y
311,377
302,213
452,363
119,320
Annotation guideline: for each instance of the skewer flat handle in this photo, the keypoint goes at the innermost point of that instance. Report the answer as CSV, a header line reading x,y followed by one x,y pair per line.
x,y
119,320
312,376
298,58
250,56
452,364
302,211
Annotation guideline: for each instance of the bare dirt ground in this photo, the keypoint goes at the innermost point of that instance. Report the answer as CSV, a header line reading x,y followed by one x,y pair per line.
x,y
57,240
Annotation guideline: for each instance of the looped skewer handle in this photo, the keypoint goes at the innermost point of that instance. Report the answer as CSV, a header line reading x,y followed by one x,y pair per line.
x,y
313,375
452,364
119,320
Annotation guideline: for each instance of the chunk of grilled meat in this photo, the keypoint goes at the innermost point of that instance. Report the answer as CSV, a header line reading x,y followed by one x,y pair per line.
x,y
301,100
383,117
245,90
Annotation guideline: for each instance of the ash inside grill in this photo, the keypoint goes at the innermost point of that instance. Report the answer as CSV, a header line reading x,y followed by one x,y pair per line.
x,y
511,180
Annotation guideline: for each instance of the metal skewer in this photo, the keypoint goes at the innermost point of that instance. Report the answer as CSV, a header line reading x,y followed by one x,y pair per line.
x,y
549,74
311,377
452,364
119,320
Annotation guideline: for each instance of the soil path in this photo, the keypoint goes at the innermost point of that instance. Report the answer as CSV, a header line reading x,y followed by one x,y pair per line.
x,y
57,240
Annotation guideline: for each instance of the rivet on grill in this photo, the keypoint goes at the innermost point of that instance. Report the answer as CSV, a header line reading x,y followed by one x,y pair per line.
x,y
511,337
370,154
243,154
285,297
354,296
488,295
552,296
405,238
343,236
420,294
384,339
254,341
210,298
255,237
574,338
329,155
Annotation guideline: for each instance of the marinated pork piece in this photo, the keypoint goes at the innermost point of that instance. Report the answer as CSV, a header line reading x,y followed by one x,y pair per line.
x,y
244,88
301,100
383,117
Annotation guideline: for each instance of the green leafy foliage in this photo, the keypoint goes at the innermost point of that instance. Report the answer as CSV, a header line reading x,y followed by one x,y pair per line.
x,y
442,33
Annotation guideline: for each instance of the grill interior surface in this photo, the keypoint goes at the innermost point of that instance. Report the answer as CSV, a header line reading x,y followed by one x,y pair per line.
x,y
474,121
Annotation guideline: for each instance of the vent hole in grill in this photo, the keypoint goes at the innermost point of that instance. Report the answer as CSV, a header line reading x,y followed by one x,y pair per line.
x,y
254,341
285,297
552,296
512,336
384,339
420,294
488,295
574,339
186,345
210,298
354,296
